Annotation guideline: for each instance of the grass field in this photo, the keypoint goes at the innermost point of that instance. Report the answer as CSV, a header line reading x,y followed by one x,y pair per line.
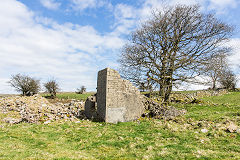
x,y
181,138
156,92
71,95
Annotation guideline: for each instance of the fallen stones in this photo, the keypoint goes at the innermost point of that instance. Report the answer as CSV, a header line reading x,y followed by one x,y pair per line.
x,y
37,109
159,110
90,108
232,127
204,130
12,120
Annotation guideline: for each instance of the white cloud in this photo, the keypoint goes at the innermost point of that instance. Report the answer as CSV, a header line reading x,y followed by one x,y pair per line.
x,y
71,53
150,5
45,21
124,11
188,2
81,5
199,83
127,17
234,59
223,3
5,86
50,4
222,6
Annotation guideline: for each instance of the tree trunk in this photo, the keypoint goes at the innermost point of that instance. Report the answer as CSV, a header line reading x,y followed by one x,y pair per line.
x,y
214,85
168,91
165,89
162,92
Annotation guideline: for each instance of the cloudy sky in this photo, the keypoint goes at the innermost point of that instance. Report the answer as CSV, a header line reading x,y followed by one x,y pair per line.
x,y
70,40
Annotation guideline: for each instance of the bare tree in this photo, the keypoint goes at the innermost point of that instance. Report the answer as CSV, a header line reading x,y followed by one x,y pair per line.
x,y
52,87
82,90
25,84
214,67
132,73
170,47
228,79
136,76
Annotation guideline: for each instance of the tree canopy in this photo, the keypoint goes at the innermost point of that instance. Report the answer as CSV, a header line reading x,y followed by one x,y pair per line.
x,y
171,46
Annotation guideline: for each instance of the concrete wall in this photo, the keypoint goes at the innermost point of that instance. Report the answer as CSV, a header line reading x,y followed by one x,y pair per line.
x,y
101,94
117,99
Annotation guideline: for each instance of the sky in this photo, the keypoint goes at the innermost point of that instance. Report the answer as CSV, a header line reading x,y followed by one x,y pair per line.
x,y
71,40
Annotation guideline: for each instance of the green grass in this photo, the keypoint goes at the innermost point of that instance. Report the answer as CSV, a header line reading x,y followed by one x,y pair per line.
x,y
231,98
215,108
214,113
156,92
151,139
144,139
71,95
188,91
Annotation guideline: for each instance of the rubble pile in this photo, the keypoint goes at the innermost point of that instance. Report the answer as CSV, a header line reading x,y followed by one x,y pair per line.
x,y
159,110
37,109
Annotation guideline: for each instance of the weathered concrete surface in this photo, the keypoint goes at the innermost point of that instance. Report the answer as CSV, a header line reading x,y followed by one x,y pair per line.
x,y
90,107
117,99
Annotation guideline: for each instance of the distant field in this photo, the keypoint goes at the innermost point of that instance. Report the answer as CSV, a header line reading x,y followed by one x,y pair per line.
x,y
190,91
8,95
233,98
156,92
71,95
215,108
181,138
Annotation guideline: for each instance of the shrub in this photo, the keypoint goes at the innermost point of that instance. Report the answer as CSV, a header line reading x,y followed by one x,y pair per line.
x,y
25,84
52,87
82,90
228,80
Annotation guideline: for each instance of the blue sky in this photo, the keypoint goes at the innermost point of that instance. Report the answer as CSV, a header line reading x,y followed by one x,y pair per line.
x,y
71,40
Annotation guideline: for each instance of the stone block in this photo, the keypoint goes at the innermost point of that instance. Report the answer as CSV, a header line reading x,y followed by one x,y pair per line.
x,y
90,107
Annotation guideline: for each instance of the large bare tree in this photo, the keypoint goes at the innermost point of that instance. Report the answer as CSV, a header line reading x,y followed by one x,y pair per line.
x,y
171,46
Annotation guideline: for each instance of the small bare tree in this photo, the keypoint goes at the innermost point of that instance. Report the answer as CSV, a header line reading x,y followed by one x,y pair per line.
x,y
25,84
228,79
52,87
214,67
82,90
170,47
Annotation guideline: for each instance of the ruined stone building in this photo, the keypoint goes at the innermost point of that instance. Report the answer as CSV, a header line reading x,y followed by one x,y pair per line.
x,y
117,100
